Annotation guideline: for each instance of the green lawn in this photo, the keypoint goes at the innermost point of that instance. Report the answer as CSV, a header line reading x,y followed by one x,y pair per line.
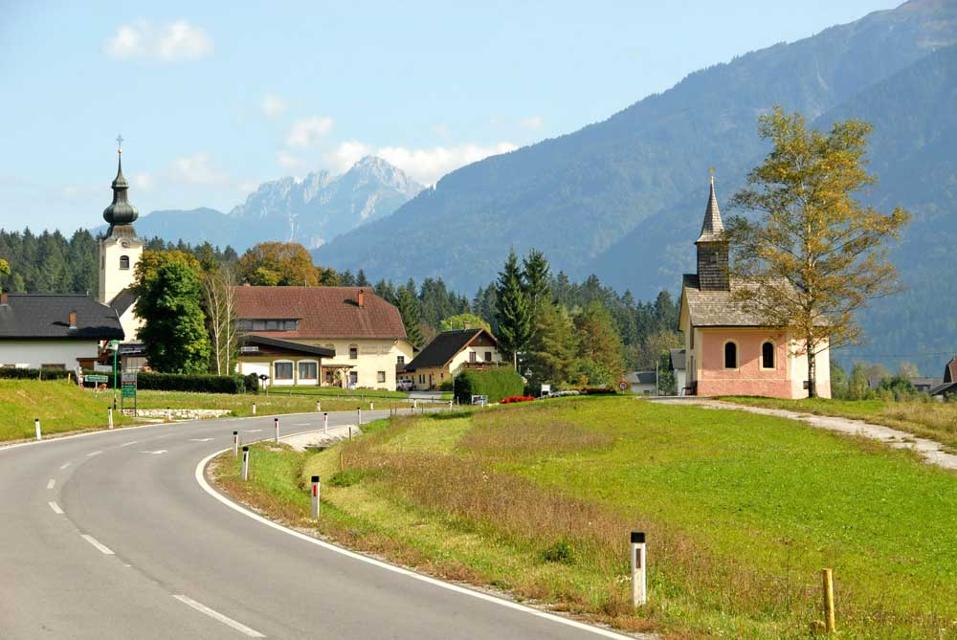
x,y
266,404
60,405
934,420
339,392
741,511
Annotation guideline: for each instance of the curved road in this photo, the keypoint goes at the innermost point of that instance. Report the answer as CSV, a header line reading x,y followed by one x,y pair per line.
x,y
110,535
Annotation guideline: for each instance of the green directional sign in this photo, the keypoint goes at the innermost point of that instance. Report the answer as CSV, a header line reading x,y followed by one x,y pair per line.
x,y
96,377
129,390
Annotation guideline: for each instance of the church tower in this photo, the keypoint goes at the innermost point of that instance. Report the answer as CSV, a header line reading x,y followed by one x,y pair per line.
x,y
712,247
120,250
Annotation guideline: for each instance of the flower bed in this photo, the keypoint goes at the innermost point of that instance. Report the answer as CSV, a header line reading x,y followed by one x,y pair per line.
x,y
512,399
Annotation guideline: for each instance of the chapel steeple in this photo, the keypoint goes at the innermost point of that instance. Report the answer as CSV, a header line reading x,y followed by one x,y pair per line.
x,y
120,214
712,246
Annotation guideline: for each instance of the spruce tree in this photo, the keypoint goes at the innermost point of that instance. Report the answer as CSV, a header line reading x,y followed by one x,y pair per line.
x,y
535,277
409,310
512,310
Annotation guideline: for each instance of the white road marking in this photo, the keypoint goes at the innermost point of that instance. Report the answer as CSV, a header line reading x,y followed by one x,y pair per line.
x,y
102,548
302,424
598,631
158,452
64,466
215,615
253,430
56,508
200,439
51,483
93,453
129,444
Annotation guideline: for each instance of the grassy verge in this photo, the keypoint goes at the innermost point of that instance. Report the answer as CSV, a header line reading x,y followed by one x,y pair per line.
x,y
934,420
241,404
339,392
742,511
60,405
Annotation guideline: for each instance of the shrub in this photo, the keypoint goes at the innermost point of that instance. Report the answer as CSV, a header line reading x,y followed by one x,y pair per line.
x,y
561,552
347,477
498,383
202,383
597,391
251,383
446,385
513,399
12,373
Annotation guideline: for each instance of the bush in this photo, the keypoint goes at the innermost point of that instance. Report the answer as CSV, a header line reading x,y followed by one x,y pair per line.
x,y
201,383
561,552
12,373
497,384
597,391
446,385
251,382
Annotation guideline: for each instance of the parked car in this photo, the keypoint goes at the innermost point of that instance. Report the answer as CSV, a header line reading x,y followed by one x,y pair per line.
x,y
404,385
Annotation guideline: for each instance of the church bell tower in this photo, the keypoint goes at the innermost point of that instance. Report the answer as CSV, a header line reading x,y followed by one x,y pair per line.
x,y
712,247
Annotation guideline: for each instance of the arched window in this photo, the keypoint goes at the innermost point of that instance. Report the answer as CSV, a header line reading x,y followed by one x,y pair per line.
x,y
124,262
767,355
730,355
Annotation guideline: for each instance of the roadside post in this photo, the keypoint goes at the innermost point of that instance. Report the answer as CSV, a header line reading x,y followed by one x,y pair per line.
x,y
371,405
315,497
109,416
318,406
639,569
358,416
827,577
275,422
36,427
254,408
325,423
450,405
235,443
245,463
415,405
350,432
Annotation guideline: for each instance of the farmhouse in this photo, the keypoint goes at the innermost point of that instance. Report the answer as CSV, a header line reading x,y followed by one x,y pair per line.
x,y
327,336
54,331
728,350
448,354
948,387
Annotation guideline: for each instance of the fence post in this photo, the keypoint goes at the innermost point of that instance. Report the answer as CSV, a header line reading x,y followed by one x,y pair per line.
x,y
315,497
109,416
828,583
275,422
245,463
235,443
36,427
639,571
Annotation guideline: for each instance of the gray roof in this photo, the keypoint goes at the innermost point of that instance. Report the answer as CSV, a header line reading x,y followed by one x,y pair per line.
x,y
678,359
712,229
47,315
120,212
717,308
123,301
946,388
641,377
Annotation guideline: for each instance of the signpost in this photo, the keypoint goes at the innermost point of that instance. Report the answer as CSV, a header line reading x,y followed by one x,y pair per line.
x,y
129,389
114,346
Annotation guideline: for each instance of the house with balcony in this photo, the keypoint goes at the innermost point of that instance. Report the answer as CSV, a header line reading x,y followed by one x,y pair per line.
x,y
320,336
450,353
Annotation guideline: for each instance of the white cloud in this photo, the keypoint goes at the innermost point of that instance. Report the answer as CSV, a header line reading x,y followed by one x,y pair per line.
x,y
532,122
426,165
197,169
143,181
273,106
308,131
171,42
289,162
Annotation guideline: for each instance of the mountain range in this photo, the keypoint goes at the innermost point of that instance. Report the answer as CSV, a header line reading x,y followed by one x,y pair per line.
x,y
623,198
311,210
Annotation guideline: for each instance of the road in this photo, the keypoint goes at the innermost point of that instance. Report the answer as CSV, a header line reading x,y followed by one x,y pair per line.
x,y
111,535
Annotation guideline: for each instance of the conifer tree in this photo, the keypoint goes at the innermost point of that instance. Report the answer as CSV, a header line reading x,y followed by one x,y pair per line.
x,y
409,310
535,278
512,310
554,346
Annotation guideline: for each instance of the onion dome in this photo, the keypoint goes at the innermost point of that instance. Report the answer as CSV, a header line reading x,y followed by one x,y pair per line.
x,y
120,212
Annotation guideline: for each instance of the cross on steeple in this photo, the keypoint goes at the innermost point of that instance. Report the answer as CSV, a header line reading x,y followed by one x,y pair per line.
x,y
119,144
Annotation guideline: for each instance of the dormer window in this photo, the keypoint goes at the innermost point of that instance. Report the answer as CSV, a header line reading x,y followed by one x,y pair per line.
x,y
124,263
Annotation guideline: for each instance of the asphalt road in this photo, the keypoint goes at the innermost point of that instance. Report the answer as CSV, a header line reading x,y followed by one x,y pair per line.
x,y
111,535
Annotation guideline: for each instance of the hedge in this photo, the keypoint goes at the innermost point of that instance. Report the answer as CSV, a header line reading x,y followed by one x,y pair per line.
x,y
12,373
497,384
200,383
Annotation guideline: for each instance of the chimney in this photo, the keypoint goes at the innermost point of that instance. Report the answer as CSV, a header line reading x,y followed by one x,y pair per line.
x,y
361,298
72,319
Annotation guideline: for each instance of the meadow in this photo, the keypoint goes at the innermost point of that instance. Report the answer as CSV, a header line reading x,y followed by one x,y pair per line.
x,y
741,512
60,405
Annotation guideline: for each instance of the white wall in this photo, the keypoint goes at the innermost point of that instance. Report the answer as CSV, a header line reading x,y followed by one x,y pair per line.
x,y
112,279
374,356
462,357
35,353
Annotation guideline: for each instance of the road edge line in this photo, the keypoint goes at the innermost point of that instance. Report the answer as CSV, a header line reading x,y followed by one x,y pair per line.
x,y
200,475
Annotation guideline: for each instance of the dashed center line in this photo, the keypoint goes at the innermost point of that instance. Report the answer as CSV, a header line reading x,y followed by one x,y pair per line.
x,y
64,466
56,508
200,439
93,453
254,430
130,443
102,548
51,483
215,615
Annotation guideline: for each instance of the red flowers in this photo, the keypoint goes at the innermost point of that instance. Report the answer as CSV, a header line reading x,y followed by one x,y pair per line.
x,y
511,399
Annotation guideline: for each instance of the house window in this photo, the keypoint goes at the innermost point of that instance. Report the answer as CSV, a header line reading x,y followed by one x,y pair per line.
x,y
283,370
488,356
473,357
353,352
125,263
308,370
767,355
353,378
400,360
730,355
380,376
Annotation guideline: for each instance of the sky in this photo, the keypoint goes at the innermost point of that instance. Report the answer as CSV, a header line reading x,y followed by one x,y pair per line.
x,y
214,98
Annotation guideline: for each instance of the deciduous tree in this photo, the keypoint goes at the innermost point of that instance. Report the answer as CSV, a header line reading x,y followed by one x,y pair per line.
x,y
279,263
814,253
219,303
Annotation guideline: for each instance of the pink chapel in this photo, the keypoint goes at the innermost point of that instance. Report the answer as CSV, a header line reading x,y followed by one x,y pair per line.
x,y
728,351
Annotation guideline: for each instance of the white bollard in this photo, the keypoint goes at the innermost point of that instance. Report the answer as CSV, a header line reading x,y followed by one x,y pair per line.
x,y
275,422
639,569
371,406
245,463
315,497
36,426
450,405
109,416
318,406
358,416
235,443
415,405
325,423
254,408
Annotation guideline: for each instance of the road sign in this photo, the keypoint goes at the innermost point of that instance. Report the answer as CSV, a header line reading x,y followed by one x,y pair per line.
x,y
96,377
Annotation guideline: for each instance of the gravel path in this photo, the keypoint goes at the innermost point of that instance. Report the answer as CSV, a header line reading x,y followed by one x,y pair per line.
x,y
930,450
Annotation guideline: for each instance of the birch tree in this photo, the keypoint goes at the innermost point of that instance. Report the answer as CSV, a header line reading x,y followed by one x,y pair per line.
x,y
219,301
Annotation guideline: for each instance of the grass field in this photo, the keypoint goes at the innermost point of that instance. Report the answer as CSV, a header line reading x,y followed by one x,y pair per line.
x,y
934,420
60,405
741,511
241,404
366,394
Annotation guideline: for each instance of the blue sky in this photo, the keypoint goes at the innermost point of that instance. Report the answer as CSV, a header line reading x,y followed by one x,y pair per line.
x,y
214,98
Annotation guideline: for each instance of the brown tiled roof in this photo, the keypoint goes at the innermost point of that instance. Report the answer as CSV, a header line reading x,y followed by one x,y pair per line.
x,y
323,312
444,347
712,229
